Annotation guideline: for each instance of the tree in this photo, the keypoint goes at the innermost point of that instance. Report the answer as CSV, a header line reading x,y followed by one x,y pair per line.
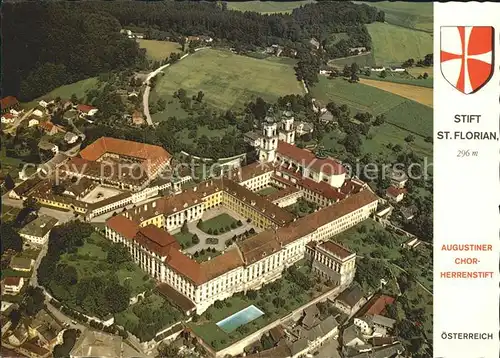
x,y
161,104
34,301
425,76
9,182
31,204
410,138
195,240
10,238
118,297
185,228
199,97
383,74
118,253
251,295
74,98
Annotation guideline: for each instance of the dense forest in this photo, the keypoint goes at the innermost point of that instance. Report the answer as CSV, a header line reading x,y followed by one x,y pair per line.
x,y
48,44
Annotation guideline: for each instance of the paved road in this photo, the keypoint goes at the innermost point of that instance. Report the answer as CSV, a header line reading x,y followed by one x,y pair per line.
x,y
147,90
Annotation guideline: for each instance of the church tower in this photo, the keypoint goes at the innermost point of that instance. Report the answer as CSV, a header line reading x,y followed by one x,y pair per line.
x,y
268,141
287,128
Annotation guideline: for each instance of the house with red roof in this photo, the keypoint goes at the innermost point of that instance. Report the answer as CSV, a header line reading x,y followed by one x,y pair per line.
x,y
8,103
395,194
8,118
12,285
49,128
86,110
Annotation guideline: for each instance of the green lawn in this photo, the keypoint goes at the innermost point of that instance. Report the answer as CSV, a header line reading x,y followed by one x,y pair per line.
x,y
219,223
361,240
229,80
294,296
418,16
267,191
173,108
184,239
148,316
362,61
9,213
159,50
79,88
358,97
267,7
392,45
405,79
9,165
90,260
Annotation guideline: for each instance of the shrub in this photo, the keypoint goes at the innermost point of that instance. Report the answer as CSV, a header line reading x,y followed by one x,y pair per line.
x,y
239,223
216,232
228,228
249,220
195,240
210,231
200,223
234,225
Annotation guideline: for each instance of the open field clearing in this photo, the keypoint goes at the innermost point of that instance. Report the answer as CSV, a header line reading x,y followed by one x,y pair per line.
x,y
405,79
79,88
418,16
416,93
159,50
392,45
362,60
229,80
357,96
417,71
267,7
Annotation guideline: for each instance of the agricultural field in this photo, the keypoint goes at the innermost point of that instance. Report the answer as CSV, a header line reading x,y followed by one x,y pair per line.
x,y
229,80
392,45
418,94
79,88
159,50
405,79
417,71
362,61
418,16
267,7
358,97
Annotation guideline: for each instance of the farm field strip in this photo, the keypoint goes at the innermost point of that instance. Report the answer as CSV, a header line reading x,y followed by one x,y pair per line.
x,y
418,94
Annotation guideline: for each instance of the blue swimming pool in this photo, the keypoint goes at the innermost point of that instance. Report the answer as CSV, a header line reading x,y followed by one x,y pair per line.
x,y
239,319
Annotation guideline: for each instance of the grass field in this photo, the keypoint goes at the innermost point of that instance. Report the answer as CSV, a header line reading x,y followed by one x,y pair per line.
x,y
405,79
219,223
417,71
418,16
358,97
362,60
267,191
229,80
159,50
392,45
267,7
418,94
79,88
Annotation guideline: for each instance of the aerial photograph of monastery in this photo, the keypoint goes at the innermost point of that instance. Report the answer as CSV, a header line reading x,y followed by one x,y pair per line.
x,y
217,179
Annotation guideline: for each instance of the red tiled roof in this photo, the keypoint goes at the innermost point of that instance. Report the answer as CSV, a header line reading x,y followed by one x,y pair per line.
x,y
306,158
184,266
12,281
8,115
8,101
123,226
46,126
336,249
394,192
156,240
379,305
85,108
153,155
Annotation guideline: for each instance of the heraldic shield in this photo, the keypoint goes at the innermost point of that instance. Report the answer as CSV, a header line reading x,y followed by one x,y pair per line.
x,y
467,56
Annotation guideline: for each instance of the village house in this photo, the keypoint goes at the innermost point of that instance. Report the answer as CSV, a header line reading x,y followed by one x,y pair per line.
x,y
357,50
38,230
315,43
397,69
44,103
47,146
33,122
12,285
350,300
8,118
23,264
408,212
86,110
252,138
47,329
352,337
327,117
49,128
39,111
70,137
8,103
378,69
395,194
302,128
137,118
399,179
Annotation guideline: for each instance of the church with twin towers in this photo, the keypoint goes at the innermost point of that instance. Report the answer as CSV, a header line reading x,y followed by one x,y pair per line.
x,y
274,131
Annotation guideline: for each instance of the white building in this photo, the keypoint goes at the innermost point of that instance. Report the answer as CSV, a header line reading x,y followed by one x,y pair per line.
x,y
269,141
38,230
287,129
33,122
8,118
12,285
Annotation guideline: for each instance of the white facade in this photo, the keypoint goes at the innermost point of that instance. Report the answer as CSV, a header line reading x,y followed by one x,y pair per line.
x,y
269,142
13,289
8,118
38,240
363,325
33,122
287,130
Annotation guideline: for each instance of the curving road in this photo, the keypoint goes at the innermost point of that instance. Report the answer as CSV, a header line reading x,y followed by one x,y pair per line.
x,y
147,90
